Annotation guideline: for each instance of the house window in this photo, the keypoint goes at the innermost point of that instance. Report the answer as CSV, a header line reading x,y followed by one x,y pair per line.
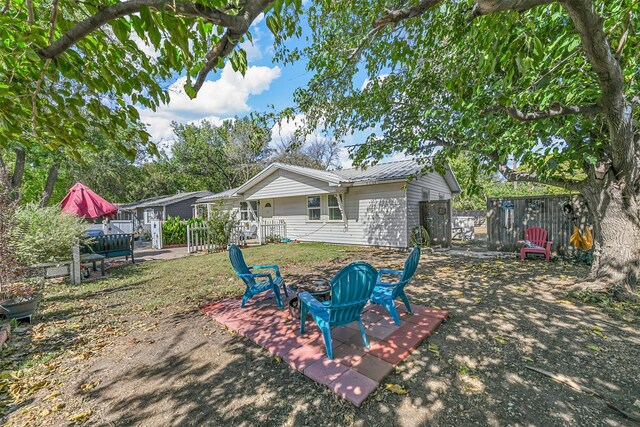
x,y
426,194
313,208
149,215
334,208
245,214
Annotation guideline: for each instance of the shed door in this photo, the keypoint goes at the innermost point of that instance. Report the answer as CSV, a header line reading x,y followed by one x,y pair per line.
x,y
435,216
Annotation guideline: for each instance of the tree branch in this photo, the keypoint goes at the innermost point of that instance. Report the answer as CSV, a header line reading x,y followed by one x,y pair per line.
x,y
224,46
553,111
485,7
30,16
513,176
119,10
480,7
393,16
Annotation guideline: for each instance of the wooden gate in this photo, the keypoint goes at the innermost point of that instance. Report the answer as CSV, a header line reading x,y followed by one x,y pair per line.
x,y
435,216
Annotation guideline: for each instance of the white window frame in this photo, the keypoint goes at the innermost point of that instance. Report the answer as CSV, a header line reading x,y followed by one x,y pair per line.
x,y
318,208
336,207
148,218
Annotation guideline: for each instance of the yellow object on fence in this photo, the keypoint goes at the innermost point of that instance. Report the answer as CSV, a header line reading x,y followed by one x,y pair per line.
x,y
583,243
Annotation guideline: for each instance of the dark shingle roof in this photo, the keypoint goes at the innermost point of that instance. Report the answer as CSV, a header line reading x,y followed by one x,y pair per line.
x,y
165,200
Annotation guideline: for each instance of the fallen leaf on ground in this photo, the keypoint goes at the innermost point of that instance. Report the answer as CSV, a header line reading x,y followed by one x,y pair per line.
x,y
52,395
433,348
500,339
277,359
81,416
396,388
593,347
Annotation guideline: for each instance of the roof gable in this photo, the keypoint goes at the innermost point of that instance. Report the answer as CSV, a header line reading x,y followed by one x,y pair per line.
x,y
324,176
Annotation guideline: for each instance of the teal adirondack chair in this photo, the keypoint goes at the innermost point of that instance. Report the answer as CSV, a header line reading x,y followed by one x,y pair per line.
x,y
255,287
351,288
386,293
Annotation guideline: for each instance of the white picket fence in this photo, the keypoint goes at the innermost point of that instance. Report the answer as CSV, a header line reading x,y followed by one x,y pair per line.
x,y
272,230
200,239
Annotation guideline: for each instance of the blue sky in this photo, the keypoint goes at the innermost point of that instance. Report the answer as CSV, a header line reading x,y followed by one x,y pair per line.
x,y
226,94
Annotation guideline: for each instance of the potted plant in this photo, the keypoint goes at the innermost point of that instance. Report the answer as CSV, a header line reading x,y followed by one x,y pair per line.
x,y
20,299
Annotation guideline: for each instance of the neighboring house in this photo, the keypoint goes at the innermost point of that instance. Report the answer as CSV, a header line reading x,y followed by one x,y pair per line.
x,y
161,207
377,206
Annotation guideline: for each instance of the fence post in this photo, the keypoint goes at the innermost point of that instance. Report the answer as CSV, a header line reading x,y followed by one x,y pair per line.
x,y
75,265
156,234
188,239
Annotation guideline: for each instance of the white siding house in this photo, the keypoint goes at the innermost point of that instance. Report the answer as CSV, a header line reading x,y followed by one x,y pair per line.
x,y
376,206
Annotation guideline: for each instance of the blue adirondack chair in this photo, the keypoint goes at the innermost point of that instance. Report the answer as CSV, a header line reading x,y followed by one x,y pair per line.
x,y
351,288
254,287
386,293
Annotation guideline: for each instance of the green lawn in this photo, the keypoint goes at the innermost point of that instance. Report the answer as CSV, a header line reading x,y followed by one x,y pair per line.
x,y
76,322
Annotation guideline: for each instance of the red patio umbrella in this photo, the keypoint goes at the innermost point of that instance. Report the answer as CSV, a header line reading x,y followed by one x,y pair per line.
x,y
83,202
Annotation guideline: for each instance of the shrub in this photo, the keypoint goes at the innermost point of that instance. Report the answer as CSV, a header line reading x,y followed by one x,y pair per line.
x,y
174,230
220,226
9,267
46,234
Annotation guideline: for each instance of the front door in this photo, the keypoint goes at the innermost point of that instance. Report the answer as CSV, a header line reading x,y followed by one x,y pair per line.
x,y
266,208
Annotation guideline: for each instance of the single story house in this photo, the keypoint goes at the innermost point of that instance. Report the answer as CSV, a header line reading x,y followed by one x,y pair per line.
x,y
161,207
376,206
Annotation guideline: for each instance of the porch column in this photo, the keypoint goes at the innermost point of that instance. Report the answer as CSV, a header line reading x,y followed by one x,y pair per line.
x,y
343,211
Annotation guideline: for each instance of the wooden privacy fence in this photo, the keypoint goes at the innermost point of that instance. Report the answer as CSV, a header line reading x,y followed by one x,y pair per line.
x,y
509,217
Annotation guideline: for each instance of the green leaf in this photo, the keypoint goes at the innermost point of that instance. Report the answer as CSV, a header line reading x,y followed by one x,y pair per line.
x,y
122,29
32,56
190,91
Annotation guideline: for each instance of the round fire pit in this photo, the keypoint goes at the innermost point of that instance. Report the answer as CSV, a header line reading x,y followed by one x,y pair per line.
x,y
316,286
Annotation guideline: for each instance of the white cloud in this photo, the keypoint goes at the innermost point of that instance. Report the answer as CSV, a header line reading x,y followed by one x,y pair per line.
x,y
258,20
345,161
253,50
146,48
367,81
216,100
284,131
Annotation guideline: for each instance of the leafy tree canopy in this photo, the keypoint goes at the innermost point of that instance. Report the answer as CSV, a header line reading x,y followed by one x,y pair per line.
x,y
66,66
443,82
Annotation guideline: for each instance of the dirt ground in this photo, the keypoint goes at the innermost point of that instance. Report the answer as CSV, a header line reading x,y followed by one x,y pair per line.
x,y
177,367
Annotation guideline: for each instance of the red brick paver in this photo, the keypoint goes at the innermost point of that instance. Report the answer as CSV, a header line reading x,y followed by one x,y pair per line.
x,y
355,372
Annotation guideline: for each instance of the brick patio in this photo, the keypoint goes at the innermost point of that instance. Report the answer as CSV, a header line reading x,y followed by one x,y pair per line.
x,y
355,372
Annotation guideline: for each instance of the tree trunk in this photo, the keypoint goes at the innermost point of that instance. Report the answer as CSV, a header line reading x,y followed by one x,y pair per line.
x,y
18,172
616,222
52,176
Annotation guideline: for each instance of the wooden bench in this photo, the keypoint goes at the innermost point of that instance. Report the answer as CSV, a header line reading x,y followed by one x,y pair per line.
x,y
111,246
93,259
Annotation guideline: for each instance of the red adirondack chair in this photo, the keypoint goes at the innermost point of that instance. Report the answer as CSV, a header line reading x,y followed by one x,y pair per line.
x,y
537,236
